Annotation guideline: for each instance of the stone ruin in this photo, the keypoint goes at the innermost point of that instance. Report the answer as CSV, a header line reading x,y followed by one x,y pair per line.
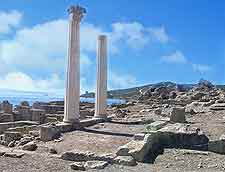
x,y
24,124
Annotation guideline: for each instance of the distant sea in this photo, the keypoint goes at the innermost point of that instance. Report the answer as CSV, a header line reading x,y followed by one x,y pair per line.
x,y
15,97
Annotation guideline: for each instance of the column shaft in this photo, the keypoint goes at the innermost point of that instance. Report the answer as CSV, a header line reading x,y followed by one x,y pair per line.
x,y
101,89
72,95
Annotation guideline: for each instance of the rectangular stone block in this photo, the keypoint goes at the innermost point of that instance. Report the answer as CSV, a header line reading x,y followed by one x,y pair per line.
x,y
156,125
38,115
139,136
49,132
6,117
10,136
217,146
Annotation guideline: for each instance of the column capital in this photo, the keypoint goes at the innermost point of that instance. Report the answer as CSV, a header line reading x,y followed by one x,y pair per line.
x,y
102,37
76,12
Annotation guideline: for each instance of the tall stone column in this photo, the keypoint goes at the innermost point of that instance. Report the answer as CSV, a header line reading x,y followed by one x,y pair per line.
x,y
72,95
101,89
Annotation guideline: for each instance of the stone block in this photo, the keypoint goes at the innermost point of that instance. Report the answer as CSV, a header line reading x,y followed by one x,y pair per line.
x,y
95,165
125,160
218,106
77,156
38,115
177,115
183,136
24,112
6,117
51,119
139,136
155,125
31,146
217,146
77,166
14,154
11,136
142,151
49,132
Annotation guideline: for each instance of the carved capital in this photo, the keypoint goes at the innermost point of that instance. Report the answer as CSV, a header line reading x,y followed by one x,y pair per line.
x,y
76,12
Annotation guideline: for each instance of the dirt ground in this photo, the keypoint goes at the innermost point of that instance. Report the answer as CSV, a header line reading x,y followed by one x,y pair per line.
x,y
107,137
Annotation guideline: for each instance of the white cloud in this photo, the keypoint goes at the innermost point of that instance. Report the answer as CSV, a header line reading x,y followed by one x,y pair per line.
x,y
88,35
176,57
22,81
43,48
9,20
136,35
160,34
45,44
201,68
132,33
118,80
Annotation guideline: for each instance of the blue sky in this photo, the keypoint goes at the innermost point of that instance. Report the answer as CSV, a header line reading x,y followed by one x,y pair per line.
x,y
149,41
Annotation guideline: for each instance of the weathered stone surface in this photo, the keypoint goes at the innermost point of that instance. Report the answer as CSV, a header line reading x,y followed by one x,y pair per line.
x,y
197,95
12,144
172,136
31,146
24,113
86,156
193,152
6,117
182,136
49,132
34,133
4,143
50,119
219,106
158,111
14,154
125,160
155,125
10,136
2,152
38,115
96,165
103,157
25,140
194,107
77,156
142,151
121,113
12,126
217,146
77,166
139,136
178,115
52,150
86,112
6,107
206,104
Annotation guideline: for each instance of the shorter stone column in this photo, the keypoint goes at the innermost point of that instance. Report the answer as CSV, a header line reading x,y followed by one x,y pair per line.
x,y
101,89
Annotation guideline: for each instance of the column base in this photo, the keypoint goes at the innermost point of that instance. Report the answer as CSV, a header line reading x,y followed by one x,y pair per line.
x,y
71,121
101,116
75,123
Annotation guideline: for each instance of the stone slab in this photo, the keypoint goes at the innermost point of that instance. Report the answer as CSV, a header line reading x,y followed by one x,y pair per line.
x,y
155,125
4,126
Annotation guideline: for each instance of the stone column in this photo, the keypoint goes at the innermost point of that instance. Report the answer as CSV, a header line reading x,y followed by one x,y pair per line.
x,y
72,95
101,89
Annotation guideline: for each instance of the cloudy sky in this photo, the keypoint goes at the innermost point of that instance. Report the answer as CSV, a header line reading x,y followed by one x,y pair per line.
x,y
149,41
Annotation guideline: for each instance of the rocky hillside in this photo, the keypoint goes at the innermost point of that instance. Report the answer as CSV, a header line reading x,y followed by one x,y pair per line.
x,y
136,92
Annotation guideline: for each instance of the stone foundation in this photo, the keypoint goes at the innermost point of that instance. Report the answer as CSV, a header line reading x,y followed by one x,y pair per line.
x,y
7,125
